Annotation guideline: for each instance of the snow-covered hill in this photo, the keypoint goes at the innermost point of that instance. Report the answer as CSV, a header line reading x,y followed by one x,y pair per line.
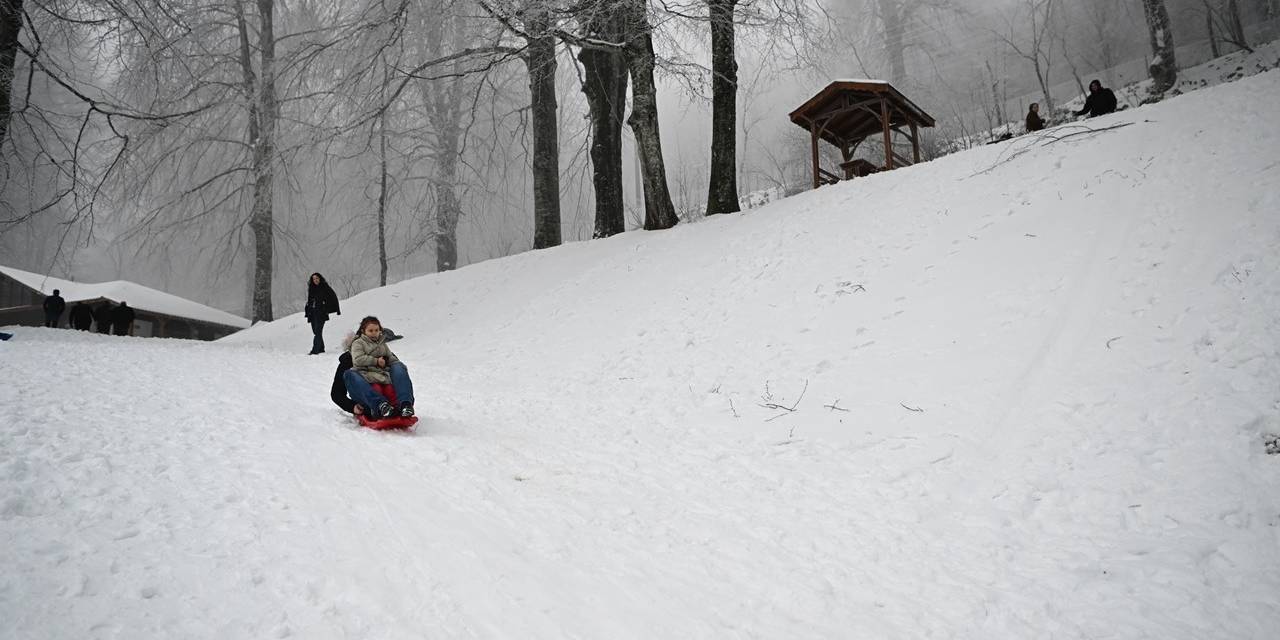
x,y
1021,391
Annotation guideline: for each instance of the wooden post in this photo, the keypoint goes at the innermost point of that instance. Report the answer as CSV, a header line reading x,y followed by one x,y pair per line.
x,y
915,142
813,130
888,144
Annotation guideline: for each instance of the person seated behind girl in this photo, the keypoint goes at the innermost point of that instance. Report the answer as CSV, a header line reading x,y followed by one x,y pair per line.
x,y
373,363
338,392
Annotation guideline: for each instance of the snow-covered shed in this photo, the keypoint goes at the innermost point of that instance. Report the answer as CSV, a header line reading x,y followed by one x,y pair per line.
x,y
157,314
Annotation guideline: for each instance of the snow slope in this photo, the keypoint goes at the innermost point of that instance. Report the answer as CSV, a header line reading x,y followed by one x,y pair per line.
x,y
1017,392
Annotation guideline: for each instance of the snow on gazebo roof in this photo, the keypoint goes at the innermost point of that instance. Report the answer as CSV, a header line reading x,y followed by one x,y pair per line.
x,y
139,297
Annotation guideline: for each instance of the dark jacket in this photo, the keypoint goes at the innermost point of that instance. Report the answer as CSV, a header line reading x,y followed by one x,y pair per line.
x,y
1034,122
102,315
81,316
1100,102
55,305
321,301
339,391
122,319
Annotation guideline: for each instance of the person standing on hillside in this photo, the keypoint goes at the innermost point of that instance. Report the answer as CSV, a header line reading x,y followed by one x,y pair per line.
x,y
321,301
102,316
122,319
54,305
1101,101
1034,121
81,316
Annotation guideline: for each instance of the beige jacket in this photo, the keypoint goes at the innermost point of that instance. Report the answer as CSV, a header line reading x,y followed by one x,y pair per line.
x,y
364,358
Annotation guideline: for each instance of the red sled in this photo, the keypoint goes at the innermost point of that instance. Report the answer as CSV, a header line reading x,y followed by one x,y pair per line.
x,y
394,422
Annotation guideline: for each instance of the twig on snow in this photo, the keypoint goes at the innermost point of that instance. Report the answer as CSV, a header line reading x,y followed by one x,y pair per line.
x,y
834,406
916,409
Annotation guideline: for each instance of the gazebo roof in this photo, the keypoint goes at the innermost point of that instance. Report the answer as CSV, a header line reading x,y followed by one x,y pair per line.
x,y
840,118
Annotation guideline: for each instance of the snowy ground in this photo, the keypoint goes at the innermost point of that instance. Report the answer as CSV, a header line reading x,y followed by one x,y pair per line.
x,y
1030,383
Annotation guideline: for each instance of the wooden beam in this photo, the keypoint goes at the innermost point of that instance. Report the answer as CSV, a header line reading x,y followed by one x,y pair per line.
x,y
888,143
813,130
863,105
915,142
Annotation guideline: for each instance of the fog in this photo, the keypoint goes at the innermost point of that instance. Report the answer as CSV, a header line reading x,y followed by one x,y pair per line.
x,y
98,187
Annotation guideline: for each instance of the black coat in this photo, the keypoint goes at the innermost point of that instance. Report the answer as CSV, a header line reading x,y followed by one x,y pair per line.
x,y
1034,122
339,391
122,319
321,301
55,305
1100,102
81,316
102,315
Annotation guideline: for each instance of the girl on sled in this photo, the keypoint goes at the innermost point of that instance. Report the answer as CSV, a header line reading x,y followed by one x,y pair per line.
x,y
372,362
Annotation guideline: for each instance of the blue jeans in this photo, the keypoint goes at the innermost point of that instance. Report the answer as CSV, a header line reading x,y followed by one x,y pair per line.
x,y
317,343
361,391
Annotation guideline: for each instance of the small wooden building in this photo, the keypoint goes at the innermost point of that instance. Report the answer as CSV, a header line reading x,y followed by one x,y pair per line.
x,y
156,313
847,112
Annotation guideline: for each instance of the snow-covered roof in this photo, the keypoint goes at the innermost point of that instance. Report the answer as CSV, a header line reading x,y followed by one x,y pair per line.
x,y
861,80
139,297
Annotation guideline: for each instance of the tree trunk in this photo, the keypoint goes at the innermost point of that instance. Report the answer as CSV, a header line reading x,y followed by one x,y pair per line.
x,y
1164,65
541,61
1213,37
10,28
263,108
382,196
722,192
605,85
442,100
448,205
448,211
890,14
659,212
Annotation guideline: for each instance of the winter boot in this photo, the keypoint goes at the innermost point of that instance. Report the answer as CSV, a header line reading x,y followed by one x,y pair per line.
x,y
385,410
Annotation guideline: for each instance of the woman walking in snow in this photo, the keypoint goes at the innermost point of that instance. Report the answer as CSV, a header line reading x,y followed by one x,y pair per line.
x,y
321,301
373,363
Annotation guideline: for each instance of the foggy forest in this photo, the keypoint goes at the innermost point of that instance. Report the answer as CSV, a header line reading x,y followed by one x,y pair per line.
x,y
222,150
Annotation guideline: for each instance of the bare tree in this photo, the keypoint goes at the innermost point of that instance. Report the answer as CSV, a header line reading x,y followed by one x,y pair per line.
x,y
604,83
540,59
659,212
1223,21
263,114
722,192
10,27
535,23
1036,45
1163,65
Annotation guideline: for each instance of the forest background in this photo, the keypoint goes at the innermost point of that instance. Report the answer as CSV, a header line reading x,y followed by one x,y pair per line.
x,y
224,150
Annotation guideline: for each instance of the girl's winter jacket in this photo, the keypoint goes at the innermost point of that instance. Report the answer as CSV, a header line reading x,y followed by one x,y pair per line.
x,y
364,358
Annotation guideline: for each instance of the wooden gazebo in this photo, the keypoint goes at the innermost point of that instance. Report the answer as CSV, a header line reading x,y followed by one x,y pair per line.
x,y
847,112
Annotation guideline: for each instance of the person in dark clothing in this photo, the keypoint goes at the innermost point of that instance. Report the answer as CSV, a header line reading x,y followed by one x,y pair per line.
x,y
81,316
1100,101
321,301
338,393
1034,121
122,319
54,305
102,316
